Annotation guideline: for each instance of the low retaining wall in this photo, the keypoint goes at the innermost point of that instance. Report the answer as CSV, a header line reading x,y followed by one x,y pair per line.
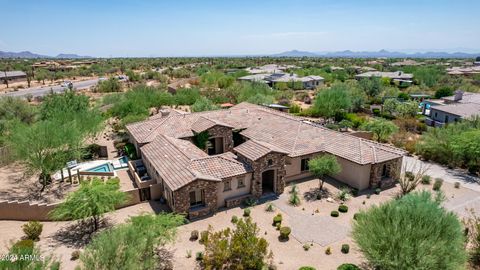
x,y
26,211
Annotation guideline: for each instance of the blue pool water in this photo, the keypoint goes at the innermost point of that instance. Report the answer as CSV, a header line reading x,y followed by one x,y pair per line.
x,y
123,160
102,168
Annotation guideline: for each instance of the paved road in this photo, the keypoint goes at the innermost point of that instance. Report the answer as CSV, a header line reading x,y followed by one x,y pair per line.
x,y
43,90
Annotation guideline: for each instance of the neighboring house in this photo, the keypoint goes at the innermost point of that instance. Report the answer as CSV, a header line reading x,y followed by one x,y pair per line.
x,y
399,77
465,71
308,82
406,62
462,105
269,69
250,151
12,76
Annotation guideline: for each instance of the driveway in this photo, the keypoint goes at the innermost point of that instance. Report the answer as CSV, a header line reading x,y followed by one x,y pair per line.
x,y
43,90
467,198
449,175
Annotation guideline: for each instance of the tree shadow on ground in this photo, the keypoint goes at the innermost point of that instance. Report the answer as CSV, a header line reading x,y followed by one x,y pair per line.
x,y
79,234
313,194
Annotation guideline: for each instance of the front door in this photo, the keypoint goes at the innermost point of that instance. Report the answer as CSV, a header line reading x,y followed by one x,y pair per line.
x,y
268,181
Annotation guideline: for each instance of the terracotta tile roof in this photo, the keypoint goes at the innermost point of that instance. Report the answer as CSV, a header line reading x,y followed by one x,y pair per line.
x,y
204,123
254,150
269,129
220,166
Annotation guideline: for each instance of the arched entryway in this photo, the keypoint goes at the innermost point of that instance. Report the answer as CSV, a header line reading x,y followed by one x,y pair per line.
x,y
268,181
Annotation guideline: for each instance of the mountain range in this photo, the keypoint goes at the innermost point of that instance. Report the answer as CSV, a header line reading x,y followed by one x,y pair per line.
x,y
292,53
373,54
27,54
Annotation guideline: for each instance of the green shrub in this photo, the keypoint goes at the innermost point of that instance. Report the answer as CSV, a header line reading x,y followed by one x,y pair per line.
x,y
285,233
234,219
306,246
348,266
328,251
343,208
270,208
345,248
334,214
26,244
250,202
457,185
368,196
203,237
426,179
32,230
277,219
356,216
246,212
378,190
199,256
194,235
409,175
437,185
294,199
75,255
307,268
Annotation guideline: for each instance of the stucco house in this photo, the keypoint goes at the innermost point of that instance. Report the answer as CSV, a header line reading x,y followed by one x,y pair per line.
x,y
462,105
199,162
307,82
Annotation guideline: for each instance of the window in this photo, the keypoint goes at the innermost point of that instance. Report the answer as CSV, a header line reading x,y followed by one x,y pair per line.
x,y
241,182
270,162
304,164
197,197
227,185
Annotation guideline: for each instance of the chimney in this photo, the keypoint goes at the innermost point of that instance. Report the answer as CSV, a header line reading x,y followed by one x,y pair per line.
x,y
164,112
458,95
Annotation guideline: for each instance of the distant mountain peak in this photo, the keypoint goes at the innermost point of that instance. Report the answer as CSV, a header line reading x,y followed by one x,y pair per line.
x,y
375,54
28,54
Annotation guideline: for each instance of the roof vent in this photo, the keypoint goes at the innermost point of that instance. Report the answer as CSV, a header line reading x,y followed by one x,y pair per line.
x,y
458,95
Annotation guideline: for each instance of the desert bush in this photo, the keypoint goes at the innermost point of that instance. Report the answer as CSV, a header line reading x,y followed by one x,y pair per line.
x,y
345,248
348,266
270,208
378,190
246,212
307,268
344,194
306,246
285,233
75,255
277,219
426,179
457,185
250,202
32,230
203,237
343,208
437,185
294,199
334,214
234,219
413,232
199,256
194,235
328,251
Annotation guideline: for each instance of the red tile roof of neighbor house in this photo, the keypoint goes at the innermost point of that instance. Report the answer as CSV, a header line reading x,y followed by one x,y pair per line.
x,y
267,130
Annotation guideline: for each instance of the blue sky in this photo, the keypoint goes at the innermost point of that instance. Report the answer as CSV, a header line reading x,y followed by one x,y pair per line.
x,y
184,28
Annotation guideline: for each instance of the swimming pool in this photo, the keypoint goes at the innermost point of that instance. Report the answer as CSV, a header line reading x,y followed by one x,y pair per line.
x,y
107,167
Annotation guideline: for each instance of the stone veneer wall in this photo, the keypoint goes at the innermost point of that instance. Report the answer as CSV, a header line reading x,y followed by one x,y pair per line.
x,y
261,165
226,133
182,198
393,170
